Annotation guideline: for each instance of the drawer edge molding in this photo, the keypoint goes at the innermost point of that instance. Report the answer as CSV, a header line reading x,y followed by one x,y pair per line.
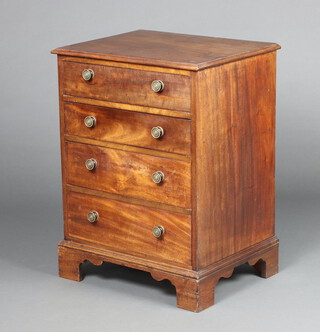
x,y
129,148
110,63
127,107
126,199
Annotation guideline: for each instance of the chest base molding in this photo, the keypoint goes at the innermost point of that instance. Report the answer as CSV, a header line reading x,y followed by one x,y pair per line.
x,y
194,289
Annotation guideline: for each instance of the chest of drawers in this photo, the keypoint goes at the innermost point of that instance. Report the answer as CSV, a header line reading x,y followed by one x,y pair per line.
x,y
167,144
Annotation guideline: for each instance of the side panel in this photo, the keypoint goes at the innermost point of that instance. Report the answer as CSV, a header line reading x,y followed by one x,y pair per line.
x,y
233,157
62,144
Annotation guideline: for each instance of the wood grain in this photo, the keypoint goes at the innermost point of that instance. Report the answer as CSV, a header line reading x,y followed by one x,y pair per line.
x,y
234,160
128,86
165,49
126,227
128,128
129,174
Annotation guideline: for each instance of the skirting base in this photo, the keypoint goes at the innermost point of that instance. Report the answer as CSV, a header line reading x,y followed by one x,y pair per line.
x,y
194,289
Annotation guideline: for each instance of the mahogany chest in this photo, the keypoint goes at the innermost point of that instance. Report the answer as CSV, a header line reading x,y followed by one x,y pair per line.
x,y
168,155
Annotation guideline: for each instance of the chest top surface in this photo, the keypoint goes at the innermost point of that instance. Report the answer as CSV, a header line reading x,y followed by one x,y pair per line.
x,y
165,49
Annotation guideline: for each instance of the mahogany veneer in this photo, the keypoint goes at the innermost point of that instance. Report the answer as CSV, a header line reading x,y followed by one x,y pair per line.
x,y
129,128
127,85
129,173
213,208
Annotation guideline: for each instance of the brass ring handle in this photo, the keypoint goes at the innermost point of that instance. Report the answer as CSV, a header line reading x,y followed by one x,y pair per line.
x,y
91,164
157,177
157,231
90,121
157,132
88,74
157,86
93,216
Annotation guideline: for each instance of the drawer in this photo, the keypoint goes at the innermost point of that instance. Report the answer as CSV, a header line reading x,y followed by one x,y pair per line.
x,y
130,86
130,174
128,228
129,128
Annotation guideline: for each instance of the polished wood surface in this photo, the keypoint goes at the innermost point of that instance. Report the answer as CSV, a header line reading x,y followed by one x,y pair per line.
x,y
129,174
233,206
130,128
167,49
126,227
128,86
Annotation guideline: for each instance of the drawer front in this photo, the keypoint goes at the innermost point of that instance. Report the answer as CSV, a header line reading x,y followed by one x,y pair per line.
x,y
129,128
129,174
129,86
128,228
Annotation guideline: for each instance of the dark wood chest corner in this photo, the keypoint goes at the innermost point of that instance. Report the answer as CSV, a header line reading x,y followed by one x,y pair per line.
x,y
168,158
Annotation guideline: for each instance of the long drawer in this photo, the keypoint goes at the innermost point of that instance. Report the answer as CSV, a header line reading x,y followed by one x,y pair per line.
x,y
130,86
130,174
131,128
128,228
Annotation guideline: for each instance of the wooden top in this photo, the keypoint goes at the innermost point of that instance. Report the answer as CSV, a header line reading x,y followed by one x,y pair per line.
x,y
167,49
